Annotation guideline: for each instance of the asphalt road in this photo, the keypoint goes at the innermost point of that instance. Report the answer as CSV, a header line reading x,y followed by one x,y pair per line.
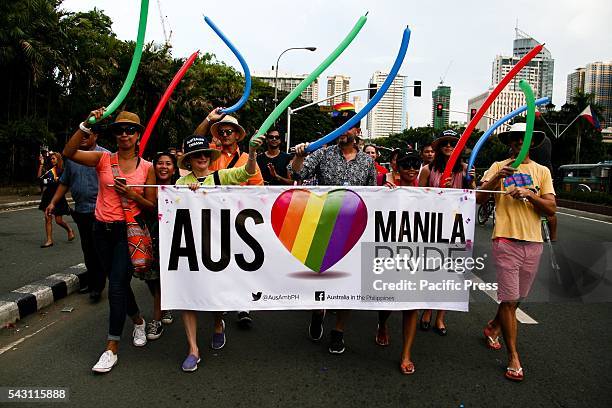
x,y
566,355
22,261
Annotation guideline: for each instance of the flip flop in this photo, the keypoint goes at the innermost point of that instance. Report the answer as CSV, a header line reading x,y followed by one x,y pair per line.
x,y
407,369
381,343
518,375
492,341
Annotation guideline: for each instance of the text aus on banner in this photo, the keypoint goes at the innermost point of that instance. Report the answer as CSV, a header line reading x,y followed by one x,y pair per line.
x,y
288,248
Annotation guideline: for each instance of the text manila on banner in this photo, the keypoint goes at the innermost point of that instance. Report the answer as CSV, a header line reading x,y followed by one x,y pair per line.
x,y
283,248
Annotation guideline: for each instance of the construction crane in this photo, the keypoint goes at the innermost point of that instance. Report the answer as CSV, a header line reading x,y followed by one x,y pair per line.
x,y
443,77
164,22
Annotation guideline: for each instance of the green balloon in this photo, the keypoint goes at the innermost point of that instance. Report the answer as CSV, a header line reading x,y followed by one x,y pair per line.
x,y
314,75
125,89
531,106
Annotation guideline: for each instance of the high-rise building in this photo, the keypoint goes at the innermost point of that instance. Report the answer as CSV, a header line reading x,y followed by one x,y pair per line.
x,y
538,72
389,115
337,84
288,82
441,95
575,83
594,79
507,101
598,82
359,104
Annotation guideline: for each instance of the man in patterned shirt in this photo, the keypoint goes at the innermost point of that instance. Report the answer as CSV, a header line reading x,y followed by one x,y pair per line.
x,y
338,165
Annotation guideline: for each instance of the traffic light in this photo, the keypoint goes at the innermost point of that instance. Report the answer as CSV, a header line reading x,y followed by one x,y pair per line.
x,y
439,109
472,113
372,92
417,88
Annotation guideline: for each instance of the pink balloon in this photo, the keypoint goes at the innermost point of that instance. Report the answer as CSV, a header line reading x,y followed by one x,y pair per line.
x,y
164,100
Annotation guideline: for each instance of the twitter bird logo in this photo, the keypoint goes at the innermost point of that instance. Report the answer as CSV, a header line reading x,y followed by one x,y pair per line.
x,y
256,296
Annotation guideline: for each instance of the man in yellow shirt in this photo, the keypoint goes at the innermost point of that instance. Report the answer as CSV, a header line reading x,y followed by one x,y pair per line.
x,y
517,236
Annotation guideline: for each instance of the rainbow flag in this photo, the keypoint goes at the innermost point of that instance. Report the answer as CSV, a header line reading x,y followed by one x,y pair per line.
x,y
344,106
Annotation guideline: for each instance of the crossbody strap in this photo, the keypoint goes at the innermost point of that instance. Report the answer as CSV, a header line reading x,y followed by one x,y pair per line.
x,y
114,163
233,162
216,178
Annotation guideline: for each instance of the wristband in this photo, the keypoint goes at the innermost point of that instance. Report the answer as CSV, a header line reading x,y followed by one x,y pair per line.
x,y
84,129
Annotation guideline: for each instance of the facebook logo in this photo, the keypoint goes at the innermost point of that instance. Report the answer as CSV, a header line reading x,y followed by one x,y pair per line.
x,y
320,295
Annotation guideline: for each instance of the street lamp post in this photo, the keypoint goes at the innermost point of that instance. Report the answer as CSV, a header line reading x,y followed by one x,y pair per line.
x,y
293,111
276,69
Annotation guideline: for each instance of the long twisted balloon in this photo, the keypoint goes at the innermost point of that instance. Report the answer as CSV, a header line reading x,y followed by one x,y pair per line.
x,y
375,99
125,89
481,111
483,139
313,75
524,85
245,68
163,101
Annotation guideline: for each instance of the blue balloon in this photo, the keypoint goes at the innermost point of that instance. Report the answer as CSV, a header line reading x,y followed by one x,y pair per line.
x,y
492,129
245,68
375,99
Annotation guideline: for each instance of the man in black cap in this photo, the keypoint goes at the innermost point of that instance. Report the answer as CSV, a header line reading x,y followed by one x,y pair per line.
x,y
342,164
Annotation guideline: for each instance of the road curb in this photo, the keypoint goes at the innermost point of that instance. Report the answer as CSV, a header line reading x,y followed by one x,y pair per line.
x,y
37,295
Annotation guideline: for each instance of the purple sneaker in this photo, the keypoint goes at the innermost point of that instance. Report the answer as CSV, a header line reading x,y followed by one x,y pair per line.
x,y
218,339
190,364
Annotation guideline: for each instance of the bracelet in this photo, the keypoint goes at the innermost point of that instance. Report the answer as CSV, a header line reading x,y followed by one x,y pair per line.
x,y
252,158
84,129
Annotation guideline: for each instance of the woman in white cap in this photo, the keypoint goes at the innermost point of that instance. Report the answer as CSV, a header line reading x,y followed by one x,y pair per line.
x,y
197,157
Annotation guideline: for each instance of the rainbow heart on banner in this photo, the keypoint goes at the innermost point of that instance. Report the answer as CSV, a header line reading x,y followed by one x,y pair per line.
x,y
319,230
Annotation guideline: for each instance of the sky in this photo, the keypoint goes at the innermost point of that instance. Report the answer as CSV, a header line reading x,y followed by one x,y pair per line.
x,y
470,33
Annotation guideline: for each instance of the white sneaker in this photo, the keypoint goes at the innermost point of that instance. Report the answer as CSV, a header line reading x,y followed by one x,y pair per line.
x,y
107,361
140,334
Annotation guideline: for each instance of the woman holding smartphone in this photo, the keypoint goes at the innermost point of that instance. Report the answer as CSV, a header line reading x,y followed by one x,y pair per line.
x,y
110,230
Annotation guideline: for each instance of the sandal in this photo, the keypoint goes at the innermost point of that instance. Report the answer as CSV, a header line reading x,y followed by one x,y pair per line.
x,y
515,374
381,340
492,341
424,325
407,369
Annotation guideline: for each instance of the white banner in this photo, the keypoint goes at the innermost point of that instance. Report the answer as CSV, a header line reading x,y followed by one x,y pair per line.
x,y
277,248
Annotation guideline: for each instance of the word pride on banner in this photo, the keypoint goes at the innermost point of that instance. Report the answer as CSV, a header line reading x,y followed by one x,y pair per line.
x,y
276,248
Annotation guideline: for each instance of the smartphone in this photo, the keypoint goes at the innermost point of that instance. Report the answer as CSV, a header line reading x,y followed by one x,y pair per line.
x,y
121,180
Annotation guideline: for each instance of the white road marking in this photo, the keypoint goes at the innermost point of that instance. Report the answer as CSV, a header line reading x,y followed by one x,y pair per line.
x,y
17,342
521,316
584,218
18,209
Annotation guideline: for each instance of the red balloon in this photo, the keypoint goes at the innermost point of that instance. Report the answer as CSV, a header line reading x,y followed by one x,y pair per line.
x,y
470,128
164,100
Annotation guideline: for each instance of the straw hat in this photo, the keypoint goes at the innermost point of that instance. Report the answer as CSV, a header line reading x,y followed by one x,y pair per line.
x,y
228,120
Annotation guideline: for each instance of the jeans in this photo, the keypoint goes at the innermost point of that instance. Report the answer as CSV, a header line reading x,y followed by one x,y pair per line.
x,y
112,248
95,277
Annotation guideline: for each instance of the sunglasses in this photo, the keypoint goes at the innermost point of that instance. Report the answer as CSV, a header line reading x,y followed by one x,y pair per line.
x,y
128,130
273,137
409,164
447,143
198,155
226,132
